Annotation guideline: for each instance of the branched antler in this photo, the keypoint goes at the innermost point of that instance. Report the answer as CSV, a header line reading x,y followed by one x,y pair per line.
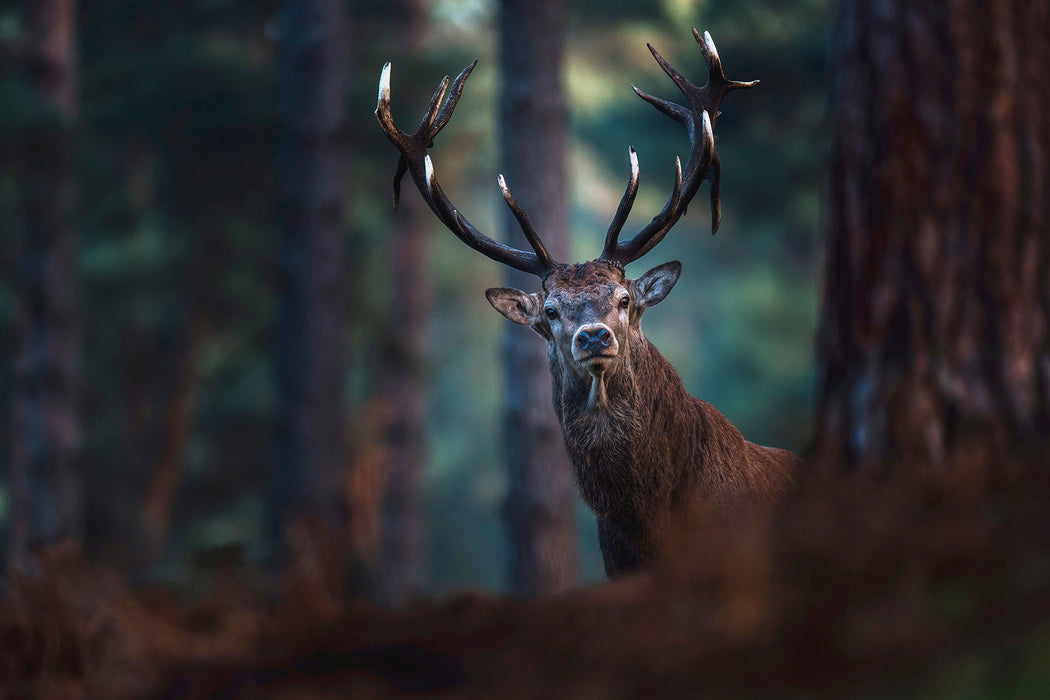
x,y
703,164
415,161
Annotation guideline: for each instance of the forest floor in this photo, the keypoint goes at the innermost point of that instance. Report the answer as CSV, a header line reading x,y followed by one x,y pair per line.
x,y
887,583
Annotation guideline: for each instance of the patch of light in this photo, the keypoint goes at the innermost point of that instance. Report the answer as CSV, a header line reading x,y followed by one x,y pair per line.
x,y
462,15
684,12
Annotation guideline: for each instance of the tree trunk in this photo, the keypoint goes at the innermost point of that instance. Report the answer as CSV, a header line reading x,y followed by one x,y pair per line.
x,y
401,398
308,484
45,483
534,122
934,329
402,374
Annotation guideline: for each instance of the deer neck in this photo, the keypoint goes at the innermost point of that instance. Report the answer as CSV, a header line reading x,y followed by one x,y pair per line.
x,y
617,443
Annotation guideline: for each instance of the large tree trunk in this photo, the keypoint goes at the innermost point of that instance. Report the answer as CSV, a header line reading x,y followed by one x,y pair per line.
x,y
934,329
534,122
308,486
45,482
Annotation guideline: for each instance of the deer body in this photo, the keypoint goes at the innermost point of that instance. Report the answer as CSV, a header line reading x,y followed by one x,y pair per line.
x,y
646,455
655,455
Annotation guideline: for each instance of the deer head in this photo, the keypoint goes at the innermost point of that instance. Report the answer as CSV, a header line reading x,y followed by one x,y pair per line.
x,y
590,316
589,313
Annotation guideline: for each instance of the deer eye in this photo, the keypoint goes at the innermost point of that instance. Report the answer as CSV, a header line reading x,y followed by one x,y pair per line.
x,y
625,302
551,312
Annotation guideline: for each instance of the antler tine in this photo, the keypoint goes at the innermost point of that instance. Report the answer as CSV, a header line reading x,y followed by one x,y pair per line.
x,y
453,99
698,120
714,64
435,104
624,210
640,245
440,204
526,225
676,112
386,121
415,161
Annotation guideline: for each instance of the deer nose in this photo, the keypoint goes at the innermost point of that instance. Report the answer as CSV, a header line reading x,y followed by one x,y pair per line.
x,y
593,338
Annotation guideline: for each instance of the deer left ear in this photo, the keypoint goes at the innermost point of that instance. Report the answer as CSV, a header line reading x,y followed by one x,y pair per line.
x,y
651,288
515,305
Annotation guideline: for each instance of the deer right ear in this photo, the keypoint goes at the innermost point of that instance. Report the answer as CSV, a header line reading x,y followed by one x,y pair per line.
x,y
515,305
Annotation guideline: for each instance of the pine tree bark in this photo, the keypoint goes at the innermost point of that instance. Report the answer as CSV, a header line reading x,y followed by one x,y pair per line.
x,y
534,125
46,488
934,328
308,483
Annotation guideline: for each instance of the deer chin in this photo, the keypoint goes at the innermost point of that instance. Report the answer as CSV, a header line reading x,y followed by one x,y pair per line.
x,y
597,399
597,364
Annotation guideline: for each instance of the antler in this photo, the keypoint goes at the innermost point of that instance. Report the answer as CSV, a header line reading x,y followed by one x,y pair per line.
x,y
698,119
414,160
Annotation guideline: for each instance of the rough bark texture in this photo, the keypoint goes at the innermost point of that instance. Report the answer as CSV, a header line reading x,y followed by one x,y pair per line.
x,y
934,332
312,175
45,484
534,122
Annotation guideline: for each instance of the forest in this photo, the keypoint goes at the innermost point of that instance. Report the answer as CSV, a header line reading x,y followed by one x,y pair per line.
x,y
263,435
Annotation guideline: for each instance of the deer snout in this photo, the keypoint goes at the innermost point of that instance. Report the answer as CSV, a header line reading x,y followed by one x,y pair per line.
x,y
592,341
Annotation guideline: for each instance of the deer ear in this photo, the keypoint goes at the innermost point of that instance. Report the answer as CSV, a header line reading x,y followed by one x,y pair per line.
x,y
516,305
651,288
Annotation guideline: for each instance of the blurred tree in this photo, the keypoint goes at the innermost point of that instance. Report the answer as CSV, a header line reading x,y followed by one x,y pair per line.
x,y
308,495
44,474
935,328
401,389
534,130
175,153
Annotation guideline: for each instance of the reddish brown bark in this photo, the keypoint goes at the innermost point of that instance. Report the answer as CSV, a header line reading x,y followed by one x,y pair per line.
x,y
934,333
534,123
45,484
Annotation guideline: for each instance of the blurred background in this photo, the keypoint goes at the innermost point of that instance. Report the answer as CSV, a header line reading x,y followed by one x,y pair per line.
x,y
246,407
172,122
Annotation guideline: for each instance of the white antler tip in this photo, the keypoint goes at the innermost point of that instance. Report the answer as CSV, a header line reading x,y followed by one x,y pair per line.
x,y
709,132
430,172
634,164
384,84
503,185
710,43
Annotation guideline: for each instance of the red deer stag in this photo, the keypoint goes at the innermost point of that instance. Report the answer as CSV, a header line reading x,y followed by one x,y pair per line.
x,y
645,454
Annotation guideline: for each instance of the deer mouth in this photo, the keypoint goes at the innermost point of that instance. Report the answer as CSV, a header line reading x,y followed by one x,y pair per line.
x,y
597,362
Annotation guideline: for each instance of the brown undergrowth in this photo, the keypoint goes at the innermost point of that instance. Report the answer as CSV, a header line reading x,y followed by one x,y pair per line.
x,y
886,582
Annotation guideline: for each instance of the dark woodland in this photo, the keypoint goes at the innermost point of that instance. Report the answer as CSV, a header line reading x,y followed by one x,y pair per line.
x,y
263,435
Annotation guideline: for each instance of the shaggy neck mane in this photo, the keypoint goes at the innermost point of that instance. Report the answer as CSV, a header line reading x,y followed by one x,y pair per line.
x,y
615,447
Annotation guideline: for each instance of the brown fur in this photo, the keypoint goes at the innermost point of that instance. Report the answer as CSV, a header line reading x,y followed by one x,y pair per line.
x,y
650,455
